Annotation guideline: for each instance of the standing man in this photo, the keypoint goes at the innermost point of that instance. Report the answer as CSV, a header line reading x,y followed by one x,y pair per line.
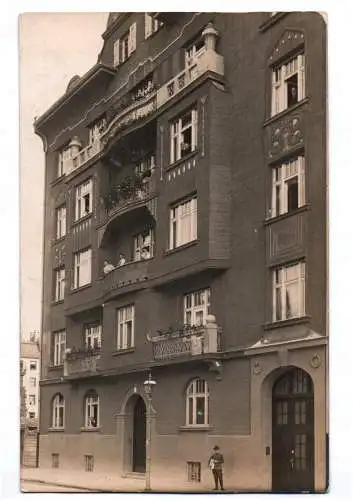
x,y
215,463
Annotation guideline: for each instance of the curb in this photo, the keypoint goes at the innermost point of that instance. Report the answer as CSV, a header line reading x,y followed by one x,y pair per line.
x,y
65,485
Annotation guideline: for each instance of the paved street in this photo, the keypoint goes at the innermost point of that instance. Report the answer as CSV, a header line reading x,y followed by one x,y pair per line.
x,y
32,487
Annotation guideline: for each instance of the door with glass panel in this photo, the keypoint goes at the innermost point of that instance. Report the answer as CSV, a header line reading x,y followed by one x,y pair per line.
x,y
293,432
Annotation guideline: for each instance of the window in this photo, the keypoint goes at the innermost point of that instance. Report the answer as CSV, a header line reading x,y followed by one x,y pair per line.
x,y
197,403
33,365
288,186
92,410
83,205
125,321
89,463
96,130
183,135
197,307
31,414
59,345
59,284
151,25
93,334
144,245
60,222
64,160
32,399
194,471
82,268
289,292
183,223
125,46
148,164
193,51
55,460
33,381
58,411
288,84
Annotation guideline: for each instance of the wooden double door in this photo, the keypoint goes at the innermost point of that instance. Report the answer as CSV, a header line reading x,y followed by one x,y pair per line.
x,y
293,432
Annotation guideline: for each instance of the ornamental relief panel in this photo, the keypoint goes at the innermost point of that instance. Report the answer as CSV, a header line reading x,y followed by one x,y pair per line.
x,y
287,43
285,238
285,135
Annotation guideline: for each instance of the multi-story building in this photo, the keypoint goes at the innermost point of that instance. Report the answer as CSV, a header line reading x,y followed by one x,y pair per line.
x,y
30,369
185,236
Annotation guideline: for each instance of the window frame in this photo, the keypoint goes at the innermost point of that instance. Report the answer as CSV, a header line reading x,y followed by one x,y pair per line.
x,y
193,309
59,346
152,25
280,74
58,411
280,286
177,129
59,283
139,243
34,363
122,320
81,191
77,281
91,401
61,222
192,394
129,38
92,332
32,399
282,174
64,159
183,221
95,130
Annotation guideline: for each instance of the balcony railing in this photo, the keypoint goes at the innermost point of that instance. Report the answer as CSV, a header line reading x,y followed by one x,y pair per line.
x,y
81,362
205,60
84,155
132,272
187,341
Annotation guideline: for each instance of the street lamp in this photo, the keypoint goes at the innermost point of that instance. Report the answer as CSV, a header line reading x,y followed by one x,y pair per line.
x,y
148,386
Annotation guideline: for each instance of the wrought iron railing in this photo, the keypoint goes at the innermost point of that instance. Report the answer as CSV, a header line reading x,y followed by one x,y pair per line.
x,y
129,273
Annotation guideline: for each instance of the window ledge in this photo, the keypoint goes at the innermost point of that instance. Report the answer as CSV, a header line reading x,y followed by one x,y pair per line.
x,y
83,287
286,111
57,180
57,302
181,247
120,352
55,367
286,322
56,241
91,429
271,220
196,428
182,160
82,219
56,429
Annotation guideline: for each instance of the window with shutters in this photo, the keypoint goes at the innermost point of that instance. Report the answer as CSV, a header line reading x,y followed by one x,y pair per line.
x,y
60,222
288,186
289,292
83,199
125,327
82,268
59,284
183,135
183,223
125,45
288,84
152,25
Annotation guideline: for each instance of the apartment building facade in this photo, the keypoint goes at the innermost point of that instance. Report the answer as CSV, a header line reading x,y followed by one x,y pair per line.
x,y
30,369
185,236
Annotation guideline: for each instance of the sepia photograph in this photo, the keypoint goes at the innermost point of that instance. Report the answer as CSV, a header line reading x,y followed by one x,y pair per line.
x,y
174,303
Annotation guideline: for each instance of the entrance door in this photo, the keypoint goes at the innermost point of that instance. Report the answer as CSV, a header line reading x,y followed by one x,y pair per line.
x,y
293,432
139,437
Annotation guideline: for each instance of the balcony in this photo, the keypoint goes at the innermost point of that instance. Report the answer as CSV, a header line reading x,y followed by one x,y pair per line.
x,y
81,156
201,63
131,115
82,362
187,341
129,274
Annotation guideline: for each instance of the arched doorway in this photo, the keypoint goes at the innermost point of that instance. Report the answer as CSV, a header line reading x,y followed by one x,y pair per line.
x,y
293,432
139,436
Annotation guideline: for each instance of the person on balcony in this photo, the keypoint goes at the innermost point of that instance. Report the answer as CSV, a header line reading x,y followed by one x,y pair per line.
x,y
108,267
122,260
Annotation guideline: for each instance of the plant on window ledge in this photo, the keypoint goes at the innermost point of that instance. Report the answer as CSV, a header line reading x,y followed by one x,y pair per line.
x,y
82,352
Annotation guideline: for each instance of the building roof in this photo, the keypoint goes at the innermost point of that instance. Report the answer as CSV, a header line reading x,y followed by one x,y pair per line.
x,y
112,17
30,350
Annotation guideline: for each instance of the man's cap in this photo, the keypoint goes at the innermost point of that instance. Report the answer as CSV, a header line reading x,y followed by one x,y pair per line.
x,y
216,447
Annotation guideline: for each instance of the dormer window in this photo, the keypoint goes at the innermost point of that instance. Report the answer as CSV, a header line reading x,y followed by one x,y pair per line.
x,y
125,46
152,25
288,84
96,130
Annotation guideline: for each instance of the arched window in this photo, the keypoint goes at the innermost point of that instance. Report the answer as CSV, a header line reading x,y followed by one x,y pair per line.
x,y
58,411
197,402
91,410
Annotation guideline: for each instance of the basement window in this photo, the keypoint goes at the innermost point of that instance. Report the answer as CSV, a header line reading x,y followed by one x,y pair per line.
x,y
194,471
89,463
55,460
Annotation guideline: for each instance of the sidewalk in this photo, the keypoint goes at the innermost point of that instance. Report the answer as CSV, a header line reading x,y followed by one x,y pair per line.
x,y
95,481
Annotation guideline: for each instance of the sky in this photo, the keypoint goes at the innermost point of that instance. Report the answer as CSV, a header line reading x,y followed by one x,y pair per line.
x,y
53,48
